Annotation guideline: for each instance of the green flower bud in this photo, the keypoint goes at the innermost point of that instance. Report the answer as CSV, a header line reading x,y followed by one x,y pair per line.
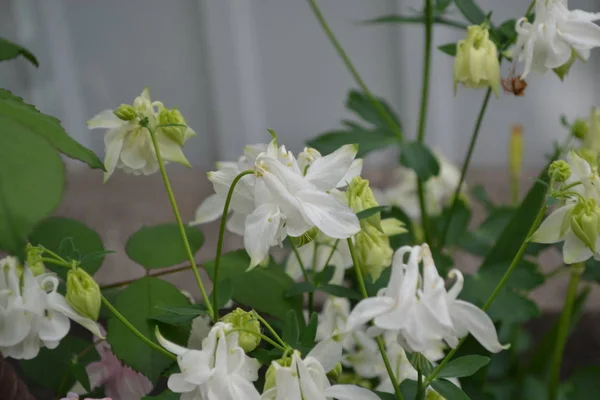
x,y
392,227
559,171
373,251
270,376
306,237
125,112
585,222
476,64
580,128
83,293
179,134
241,319
360,197
335,373
589,155
33,258
433,395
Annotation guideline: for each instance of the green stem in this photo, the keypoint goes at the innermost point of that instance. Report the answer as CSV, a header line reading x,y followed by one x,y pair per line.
x,y
270,329
56,262
466,162
494,294
135,331
263,337
420,389
342,53
184,238
380,344
563,331
215,307
530,8
333,248
130,281
311,298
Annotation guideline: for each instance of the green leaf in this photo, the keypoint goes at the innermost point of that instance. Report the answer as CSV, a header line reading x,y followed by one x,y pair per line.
x,y
340,291
458,224
166,395
408,388
584,382
361,105
471,11
32,176
414,19
463,366
10,50
367,140
307,339
54,232
441,5
138,303
81,375
161,246
506,33
418,157
17,116
262,289
449,390
448,48
291,332
300,288
224,293
325,275
178,315
371,211
480,193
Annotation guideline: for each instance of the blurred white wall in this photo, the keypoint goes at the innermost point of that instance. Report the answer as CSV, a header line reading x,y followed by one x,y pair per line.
x,y
237,67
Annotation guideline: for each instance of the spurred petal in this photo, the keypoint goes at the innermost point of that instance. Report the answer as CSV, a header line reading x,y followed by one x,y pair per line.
x,y
552,228
368,309
466,316
261,231
54,326
349,392
240,388
105,119
243,194
574,250
178,384
209,210
326,172
236,223
58,303
333,218
169,346
328,352
354,171
171,150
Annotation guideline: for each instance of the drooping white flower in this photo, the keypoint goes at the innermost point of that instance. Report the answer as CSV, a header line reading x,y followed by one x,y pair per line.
x,y
129,145
418,307
555,36
307,378
32,313
220,371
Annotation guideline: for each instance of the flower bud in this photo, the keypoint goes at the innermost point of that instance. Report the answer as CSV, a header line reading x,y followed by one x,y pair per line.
x,y
476,64
179,134
83,293
392,227
240,319
373,251
589,155
559,171
306,237
433,395
33,258
585,222
125,112
580,128
360,198
335,373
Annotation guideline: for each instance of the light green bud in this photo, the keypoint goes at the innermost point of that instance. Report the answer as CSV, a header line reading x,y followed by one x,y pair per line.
x,y
241,319
177,133
33,258
270,376
306,237
589,155
354,379
433,395
335,373
392,227
585,222
125,112
476,64
83,293
580,128
559,171
360,198
373,251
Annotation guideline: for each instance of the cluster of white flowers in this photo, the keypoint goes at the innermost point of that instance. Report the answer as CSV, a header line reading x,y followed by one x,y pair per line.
x,y
33,314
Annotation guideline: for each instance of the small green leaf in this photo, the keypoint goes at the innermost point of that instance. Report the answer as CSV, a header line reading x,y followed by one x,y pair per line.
x,y
178,316
367,140
463,366
325,275
448,48
363,106
371,211
161,246
291,332
300,288
10,50
418,157
340,291
307,339
449,390
70,239
471,11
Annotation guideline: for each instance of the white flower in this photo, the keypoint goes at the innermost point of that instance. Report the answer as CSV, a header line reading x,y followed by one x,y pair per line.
x,y
332,324
32,313
420,310
326,255
307,378
220,371
129,145
555,35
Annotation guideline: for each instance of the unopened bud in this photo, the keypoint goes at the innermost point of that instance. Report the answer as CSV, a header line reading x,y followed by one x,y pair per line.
x,y
585,222
476,64
270,376
335,373
373,251
589,155
33,258
559,171
125,112
178,130
360,197
83,293
580,128
392,227
249,337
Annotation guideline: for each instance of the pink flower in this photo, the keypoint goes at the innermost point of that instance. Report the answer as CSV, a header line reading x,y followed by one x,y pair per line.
x,y
75,396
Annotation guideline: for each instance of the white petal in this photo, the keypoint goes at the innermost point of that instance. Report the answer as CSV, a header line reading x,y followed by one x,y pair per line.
x,y
328,353
16,325
552,228
310,389
168,345
54,326
105,119
261,231
195,366
574,250
478,323
236,223
178,385
349,392
243,194
333,218
354,171
58,303
114,145
581,33
171,150
368,309
209,210
326,172
241,389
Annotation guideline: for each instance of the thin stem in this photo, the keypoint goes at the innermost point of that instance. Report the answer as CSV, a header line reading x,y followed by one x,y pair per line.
x,y
263,337
344,56
184,238
494,294
420,390
466,163
270,329
530,8
215,307
53,254
130,281
423,207
333,248
380,344
135,331
563,331
56,262
311,295
311,298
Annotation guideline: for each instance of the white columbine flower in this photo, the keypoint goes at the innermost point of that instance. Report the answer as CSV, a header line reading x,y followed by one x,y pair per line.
x,y
129,145
32,313
556,35
220,371
418,307
307,378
